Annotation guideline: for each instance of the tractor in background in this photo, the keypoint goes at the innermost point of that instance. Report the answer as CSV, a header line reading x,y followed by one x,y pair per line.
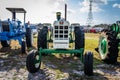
x,y
109,43
15,30
61,39
34,28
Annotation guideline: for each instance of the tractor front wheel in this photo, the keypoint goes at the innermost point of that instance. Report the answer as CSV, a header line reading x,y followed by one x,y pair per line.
x,y
33,61
88,63
5,43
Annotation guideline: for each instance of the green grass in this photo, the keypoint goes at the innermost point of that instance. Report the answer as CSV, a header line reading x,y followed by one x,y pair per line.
x,y
91,41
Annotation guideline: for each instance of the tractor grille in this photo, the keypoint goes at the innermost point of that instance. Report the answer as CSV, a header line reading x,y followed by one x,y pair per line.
x,y
61,32
5,26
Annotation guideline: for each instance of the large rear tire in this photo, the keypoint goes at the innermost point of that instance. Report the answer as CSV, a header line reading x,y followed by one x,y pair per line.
x,y
108,46
29,37
33,61
88,64
42,39
79,39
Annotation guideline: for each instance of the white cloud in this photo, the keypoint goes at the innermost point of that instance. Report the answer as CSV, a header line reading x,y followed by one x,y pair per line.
x,y
101,1
116,5
71,11
37,10
95,8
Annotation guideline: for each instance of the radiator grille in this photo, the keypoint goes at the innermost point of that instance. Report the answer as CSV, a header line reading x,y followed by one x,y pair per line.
x,y
61,32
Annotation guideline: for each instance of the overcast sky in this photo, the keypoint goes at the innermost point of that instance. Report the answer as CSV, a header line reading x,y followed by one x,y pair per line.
x,y
39,11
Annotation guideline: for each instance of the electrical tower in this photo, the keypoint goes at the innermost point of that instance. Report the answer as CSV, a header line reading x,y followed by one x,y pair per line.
x,y
90,16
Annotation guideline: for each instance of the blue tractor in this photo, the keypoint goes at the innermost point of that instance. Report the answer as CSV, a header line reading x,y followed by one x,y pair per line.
x,y
15,30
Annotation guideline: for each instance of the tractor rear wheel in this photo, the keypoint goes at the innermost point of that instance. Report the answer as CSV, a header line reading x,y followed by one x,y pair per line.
x,y
29,37
108,47
23,47
42,39
79,39
5,43
33,61
88,64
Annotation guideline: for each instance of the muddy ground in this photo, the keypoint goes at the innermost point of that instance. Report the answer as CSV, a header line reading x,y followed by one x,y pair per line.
x,y
54,67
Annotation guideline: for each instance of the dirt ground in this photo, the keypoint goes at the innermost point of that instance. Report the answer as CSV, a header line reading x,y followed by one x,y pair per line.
x,y
54,67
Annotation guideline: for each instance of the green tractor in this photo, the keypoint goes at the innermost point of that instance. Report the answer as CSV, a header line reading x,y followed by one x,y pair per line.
x,y
109,43
61,37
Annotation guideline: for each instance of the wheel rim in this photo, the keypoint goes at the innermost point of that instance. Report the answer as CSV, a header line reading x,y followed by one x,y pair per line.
x,y
8,42
103,47
37,61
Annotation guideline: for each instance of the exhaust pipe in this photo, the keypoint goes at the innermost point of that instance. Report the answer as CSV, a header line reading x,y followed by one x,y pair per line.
x,y
65,11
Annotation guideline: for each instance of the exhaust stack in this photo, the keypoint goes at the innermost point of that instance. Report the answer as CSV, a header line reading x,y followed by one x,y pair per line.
x,y
65,11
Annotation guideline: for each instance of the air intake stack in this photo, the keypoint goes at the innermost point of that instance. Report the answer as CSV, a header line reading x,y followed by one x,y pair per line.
x,y
58,15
